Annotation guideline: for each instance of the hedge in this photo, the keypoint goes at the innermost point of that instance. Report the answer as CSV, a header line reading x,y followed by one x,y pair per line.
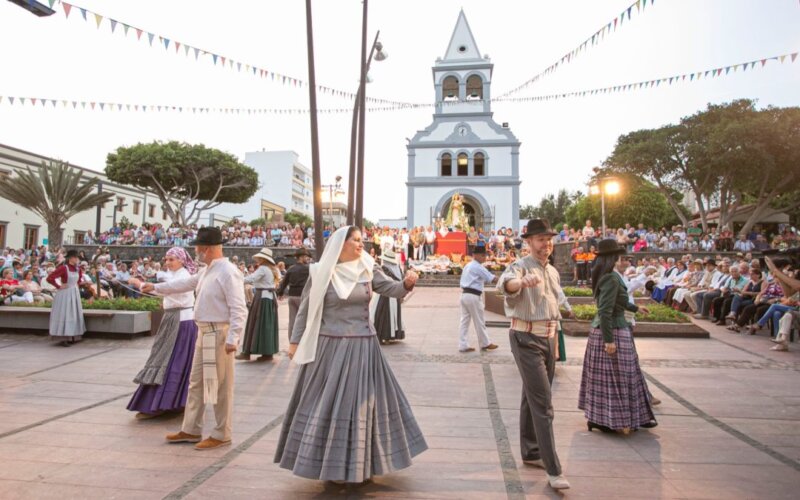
x,y
658,314
117,304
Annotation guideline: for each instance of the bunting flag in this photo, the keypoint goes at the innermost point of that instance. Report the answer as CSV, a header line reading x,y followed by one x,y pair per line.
x,y
667,80
593,40
48,102
224,62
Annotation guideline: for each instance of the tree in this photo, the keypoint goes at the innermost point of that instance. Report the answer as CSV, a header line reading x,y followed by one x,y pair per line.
x,y
56,193
188,179
638,202
258,222
727,155
551,207
298,218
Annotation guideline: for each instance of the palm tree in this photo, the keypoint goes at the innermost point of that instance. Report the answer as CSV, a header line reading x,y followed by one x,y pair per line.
x,y
56,193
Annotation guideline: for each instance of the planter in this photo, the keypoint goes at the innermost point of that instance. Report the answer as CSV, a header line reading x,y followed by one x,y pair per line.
x,y
579,328
37,320
155,321
574,301
494,303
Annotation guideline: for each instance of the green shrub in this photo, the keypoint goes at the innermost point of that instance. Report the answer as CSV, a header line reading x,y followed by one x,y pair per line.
x,y
658,314
572,291
118,304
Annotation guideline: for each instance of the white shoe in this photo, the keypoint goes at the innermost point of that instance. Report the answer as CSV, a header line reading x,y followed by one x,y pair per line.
x,y
558,482
779,347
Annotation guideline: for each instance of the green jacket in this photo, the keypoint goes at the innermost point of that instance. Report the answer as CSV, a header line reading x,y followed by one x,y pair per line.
x,y
612,302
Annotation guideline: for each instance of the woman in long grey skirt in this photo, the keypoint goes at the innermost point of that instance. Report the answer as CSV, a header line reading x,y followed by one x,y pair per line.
x,y
164,380
348,419
66,313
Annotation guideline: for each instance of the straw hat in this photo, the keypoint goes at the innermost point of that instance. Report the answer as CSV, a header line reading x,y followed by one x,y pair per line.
x,y
265,254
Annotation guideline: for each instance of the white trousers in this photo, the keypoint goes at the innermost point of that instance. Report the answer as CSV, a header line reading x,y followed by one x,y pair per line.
x,y
472,310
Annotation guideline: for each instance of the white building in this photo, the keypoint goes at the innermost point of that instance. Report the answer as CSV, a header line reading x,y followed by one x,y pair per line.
x,y
334,205
464,151
284,182
21,228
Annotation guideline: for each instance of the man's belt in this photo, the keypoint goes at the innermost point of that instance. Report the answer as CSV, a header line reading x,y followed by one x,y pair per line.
x,y
544,328
207,326
472,291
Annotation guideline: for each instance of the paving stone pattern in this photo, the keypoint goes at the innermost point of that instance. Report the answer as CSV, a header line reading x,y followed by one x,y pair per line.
x,y
728,424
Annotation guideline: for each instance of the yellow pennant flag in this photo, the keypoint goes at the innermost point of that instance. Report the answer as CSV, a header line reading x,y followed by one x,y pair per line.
x,y
99,19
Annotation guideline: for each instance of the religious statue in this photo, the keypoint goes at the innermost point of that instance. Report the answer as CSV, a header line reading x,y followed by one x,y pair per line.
x,y
457,217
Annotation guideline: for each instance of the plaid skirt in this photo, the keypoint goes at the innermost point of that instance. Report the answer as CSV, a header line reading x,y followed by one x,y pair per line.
x,y
613,390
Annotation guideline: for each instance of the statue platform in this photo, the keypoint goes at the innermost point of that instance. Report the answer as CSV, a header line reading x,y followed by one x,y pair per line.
x,y
452,242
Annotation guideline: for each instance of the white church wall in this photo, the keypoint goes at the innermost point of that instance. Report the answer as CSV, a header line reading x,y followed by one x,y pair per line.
x,y
499,160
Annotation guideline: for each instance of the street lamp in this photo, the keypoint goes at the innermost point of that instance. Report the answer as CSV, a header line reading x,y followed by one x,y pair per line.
x,y
36,8
604,186
333,189
355,195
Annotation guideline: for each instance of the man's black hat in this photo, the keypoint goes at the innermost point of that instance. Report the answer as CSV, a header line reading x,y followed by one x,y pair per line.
x,y
609,247
303,252
537,227
208,236
479,249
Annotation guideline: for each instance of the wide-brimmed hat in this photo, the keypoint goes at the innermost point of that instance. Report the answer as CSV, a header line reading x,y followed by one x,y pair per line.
x,y
266,254
609,247
389,256
70,254
208,236
538,226
303,252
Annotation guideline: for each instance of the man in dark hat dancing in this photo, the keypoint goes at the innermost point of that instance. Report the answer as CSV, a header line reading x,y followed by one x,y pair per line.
x,y
295,281
220,312
531,287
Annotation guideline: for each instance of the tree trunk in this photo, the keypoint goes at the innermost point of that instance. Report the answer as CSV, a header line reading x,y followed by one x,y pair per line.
x,y
55,236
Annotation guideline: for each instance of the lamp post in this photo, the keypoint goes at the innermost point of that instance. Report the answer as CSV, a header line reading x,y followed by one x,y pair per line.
x,y
604,186
333,190
355,184
319,243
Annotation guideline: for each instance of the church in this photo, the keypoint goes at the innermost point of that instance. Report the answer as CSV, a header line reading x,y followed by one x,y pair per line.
x,y
464,151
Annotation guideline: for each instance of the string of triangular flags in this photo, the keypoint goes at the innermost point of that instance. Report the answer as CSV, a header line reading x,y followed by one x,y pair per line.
x,y
48,102
645,84
669,80
181,48
638,7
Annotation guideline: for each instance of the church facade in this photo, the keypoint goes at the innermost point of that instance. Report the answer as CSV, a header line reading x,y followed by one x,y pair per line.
x,y
464,151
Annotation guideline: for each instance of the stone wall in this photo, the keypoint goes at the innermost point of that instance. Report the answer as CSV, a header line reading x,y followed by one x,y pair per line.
x,y
130,253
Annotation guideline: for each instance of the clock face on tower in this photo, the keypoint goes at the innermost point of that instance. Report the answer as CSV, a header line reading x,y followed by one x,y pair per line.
x,y
462,131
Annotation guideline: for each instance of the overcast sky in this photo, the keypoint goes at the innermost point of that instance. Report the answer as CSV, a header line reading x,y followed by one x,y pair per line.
x,y
561,140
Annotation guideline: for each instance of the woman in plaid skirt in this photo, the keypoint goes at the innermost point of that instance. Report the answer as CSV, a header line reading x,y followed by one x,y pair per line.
x,y
613,392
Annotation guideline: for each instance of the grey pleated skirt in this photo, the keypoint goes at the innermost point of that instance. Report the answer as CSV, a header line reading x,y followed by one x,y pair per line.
x,y
66,314
348,419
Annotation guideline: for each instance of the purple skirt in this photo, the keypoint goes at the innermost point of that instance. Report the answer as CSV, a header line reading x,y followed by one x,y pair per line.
x,y
171,394
613,391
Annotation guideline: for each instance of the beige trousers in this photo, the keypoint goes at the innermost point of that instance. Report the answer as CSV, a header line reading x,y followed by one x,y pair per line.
x,y
195,411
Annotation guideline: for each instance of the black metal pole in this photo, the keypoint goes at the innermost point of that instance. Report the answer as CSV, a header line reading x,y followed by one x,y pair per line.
x,y
359,215
351,178
319,243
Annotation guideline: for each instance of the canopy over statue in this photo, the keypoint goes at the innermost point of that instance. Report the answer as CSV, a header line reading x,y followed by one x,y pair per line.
x,y
456,216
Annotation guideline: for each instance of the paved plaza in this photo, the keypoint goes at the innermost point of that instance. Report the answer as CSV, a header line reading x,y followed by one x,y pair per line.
x,y
728,424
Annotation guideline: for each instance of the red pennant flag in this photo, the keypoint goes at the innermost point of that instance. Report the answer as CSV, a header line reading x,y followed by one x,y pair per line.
x,y
92,104
138,34
33,100
177,46
67,8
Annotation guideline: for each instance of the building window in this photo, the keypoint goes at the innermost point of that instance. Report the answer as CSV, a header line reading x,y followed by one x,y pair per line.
x,y
3,232
151,211
447,165
450,89
479,164
474,87
136,205
463,165
77,237
120,203
31,237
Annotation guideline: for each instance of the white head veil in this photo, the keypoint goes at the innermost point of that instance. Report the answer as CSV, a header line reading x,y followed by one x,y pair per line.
x,y
344,277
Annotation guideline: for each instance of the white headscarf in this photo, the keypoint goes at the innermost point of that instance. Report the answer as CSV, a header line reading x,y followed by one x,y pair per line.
x,y
344,277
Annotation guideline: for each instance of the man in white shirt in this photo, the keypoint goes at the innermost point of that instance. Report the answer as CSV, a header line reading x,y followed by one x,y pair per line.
x,y
220,313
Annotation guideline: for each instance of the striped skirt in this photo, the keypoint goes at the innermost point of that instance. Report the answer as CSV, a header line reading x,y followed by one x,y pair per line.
x,y
613,392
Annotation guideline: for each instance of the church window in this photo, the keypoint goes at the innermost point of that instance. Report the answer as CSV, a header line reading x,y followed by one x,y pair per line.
x,y
474,87
450,89
479,164
447,165
463,164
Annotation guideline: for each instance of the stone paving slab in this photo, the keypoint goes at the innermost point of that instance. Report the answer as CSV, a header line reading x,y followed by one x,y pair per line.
x,y
729,424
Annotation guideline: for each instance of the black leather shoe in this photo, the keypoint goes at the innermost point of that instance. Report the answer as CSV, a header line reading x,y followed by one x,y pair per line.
x,y
592,426
649,425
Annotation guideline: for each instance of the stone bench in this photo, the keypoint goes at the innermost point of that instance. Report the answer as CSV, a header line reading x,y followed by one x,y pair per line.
x,y
123,323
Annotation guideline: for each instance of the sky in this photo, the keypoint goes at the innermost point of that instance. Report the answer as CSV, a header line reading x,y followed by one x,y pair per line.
x,y
69,58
